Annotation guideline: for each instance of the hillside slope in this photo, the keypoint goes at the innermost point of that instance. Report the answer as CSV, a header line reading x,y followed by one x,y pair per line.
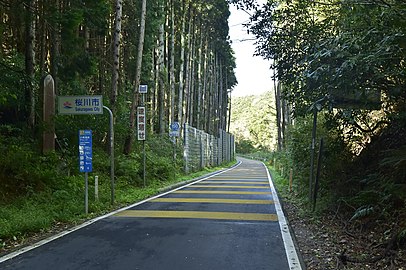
x,y
253,122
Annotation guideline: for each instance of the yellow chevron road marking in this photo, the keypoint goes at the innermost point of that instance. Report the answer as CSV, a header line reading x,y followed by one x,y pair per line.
x,y
211,200
198,215
240,177
222,192
234,182
215,186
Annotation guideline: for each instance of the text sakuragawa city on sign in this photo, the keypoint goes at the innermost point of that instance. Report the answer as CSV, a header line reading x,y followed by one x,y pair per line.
x,y
80,104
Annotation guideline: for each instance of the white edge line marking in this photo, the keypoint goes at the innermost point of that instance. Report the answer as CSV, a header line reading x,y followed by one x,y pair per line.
x,y
293,259
89,222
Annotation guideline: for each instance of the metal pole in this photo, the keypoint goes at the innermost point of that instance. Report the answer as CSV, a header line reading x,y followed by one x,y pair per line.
x,y
174,157
86,194
312,153
144,161
186,148
111,153
143,144
175,142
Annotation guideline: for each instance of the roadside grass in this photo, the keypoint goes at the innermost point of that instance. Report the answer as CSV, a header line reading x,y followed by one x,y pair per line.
x,y
39,212
296,197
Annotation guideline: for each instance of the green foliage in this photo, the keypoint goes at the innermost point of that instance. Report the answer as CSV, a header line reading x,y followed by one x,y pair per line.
x,y
296,156
128,168
48,189
12,85
363,212
160,163
253,123
244,147
160,168
77,51
402,237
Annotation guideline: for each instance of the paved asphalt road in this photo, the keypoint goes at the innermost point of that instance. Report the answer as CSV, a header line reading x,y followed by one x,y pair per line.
x,y
227,221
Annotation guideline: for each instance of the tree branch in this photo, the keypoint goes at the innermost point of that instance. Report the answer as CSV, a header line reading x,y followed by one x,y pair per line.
x,y
369,130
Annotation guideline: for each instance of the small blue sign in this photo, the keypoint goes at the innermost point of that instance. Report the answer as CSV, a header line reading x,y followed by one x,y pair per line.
x,y
174,129
85,151
143,89
175,126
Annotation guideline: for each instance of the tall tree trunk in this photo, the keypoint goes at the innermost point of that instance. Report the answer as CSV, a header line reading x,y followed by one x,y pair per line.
x,y
192,77
30,61
167,88
130,136
283,115
182,64
56,47
161,78
220,97
172,63
205,84
43,37
116,52
156,88
229,112
215,96
187,69
199,79
210,91
278,111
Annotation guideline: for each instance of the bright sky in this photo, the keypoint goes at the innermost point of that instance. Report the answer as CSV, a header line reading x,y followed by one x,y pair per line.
x,y
252,72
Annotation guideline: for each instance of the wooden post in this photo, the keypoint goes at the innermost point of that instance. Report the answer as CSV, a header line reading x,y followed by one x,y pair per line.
x,y
290,180
96,188
312,150
316,184
48,114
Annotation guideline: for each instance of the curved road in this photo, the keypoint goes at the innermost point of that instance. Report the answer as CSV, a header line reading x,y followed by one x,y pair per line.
x,y
230,220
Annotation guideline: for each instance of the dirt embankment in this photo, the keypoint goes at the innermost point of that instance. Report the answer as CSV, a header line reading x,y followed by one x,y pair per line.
x,y
332,243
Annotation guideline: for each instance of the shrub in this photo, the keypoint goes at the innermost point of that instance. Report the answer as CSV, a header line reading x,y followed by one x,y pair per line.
x,y
128,167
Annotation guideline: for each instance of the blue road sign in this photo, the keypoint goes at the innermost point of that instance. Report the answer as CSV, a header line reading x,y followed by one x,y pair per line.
x,y
85,151
174,129
143,89
175,126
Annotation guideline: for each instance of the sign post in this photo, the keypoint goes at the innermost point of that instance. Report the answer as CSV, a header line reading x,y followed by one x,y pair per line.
x,y
174,132
85,160
79,105
141,125
111,153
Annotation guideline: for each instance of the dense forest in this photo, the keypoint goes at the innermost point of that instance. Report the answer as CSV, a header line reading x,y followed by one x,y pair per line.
x,y
180,49
340,76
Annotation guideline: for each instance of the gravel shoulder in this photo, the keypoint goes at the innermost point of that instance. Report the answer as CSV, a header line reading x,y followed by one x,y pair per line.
x,y
328,242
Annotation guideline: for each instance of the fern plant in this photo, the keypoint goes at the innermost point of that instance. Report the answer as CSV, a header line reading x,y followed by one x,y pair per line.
x,y
363,212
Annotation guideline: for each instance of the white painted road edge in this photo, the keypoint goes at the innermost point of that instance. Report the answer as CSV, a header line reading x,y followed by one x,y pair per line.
x,y
293,259
89,222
